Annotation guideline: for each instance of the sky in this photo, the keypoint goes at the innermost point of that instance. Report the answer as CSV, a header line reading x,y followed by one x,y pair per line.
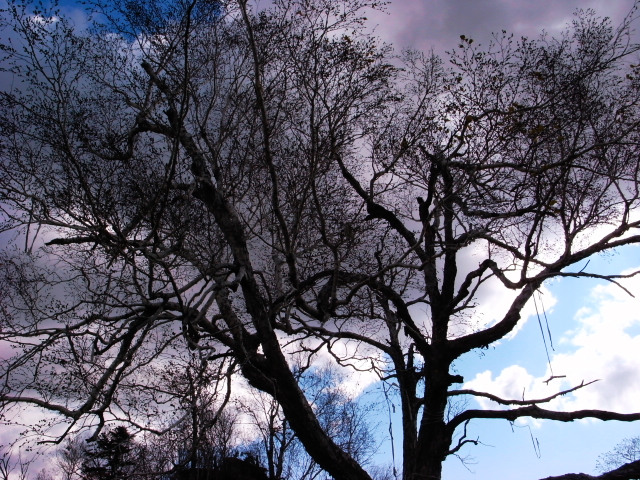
x,y
438,24
595,329
595,335
595,326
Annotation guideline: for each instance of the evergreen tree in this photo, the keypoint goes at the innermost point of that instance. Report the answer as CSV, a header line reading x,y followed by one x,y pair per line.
x,y
110,458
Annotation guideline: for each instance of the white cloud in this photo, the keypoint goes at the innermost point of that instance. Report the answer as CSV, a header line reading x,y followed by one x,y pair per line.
x,y
603,346
512,382
44,21
493,299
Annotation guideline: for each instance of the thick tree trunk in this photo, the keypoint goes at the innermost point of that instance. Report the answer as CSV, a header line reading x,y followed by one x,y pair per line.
x,y
433,445
434,438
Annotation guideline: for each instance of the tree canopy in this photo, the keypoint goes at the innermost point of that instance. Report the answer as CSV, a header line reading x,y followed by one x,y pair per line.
x,y
206,189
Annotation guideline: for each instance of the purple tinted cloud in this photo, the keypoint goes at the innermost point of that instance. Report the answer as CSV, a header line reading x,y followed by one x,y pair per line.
x,y
438,24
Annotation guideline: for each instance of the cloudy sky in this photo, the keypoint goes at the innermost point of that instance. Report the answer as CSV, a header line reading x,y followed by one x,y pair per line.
x,y
437,24
595,327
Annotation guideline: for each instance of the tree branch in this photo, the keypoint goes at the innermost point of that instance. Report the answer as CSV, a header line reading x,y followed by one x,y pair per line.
x,y
534,411
503,401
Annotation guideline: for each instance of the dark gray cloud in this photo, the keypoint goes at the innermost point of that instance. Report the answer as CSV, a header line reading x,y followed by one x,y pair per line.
x,y
438,24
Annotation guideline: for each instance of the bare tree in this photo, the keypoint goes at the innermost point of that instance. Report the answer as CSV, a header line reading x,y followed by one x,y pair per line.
x,y
627,451
201,176
342,417
44,474
12,467
69,457
201,431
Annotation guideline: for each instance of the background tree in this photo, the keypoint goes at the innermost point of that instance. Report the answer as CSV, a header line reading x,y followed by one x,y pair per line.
x,y
627,451
201,431
70,456
44,474
344,418
12,467
254,186
110,457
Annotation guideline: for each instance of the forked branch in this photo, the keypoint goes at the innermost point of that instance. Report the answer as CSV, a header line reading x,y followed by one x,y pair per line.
x,y
504,401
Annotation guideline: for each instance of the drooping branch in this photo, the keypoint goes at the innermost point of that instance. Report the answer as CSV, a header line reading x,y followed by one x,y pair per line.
x,y
609,278
463,440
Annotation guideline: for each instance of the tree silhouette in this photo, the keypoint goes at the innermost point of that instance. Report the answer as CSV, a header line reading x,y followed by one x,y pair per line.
x,y
110,457
627,451
256,185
